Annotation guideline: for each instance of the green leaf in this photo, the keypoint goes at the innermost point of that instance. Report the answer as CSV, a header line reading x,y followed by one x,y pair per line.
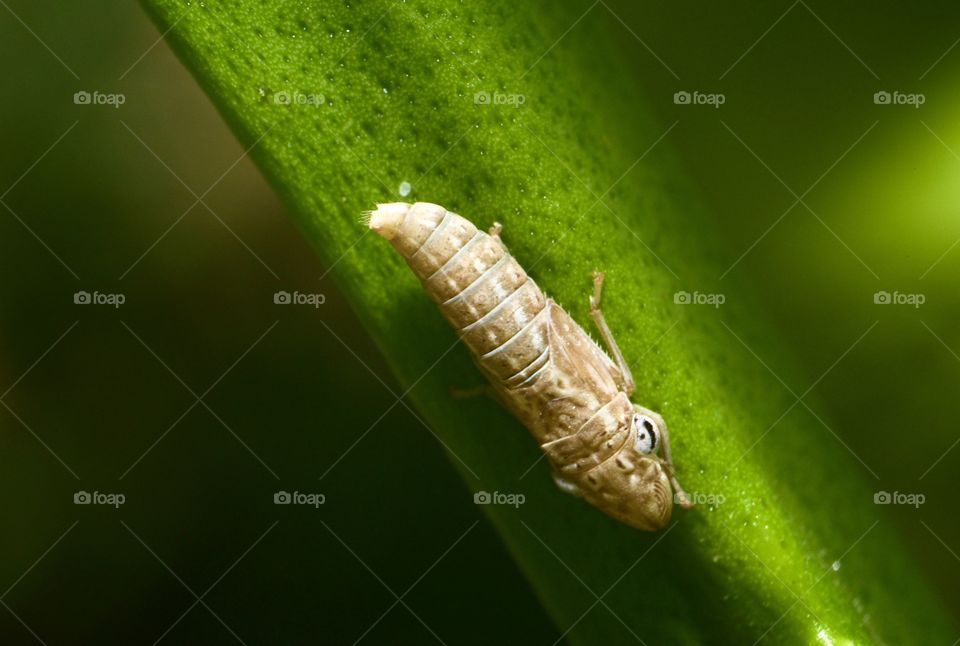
x,y
341,103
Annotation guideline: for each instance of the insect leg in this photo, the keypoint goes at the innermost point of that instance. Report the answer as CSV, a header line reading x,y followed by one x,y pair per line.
x,y
681,496
487,389
494,232
597,314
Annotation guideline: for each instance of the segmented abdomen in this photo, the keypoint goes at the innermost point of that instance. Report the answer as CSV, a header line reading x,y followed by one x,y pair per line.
x,y
500,313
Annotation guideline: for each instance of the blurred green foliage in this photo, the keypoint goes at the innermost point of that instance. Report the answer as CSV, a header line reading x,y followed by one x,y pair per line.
x,y
299,399
99,199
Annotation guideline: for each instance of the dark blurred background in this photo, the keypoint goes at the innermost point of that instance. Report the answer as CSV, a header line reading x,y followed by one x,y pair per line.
x,y
198,398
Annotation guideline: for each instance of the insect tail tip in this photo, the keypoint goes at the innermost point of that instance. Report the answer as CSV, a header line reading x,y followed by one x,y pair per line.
x,y
386,218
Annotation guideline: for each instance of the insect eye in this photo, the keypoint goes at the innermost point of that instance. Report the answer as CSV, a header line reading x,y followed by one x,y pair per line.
x,y
647,435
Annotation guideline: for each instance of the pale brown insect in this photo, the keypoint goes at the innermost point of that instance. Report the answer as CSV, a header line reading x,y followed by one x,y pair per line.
x,y
566,390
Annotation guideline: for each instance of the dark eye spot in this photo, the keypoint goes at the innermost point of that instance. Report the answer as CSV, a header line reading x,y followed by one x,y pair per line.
x,y
647,424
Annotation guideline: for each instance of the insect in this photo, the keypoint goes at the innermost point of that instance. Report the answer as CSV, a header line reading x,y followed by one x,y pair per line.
x,y
572,396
